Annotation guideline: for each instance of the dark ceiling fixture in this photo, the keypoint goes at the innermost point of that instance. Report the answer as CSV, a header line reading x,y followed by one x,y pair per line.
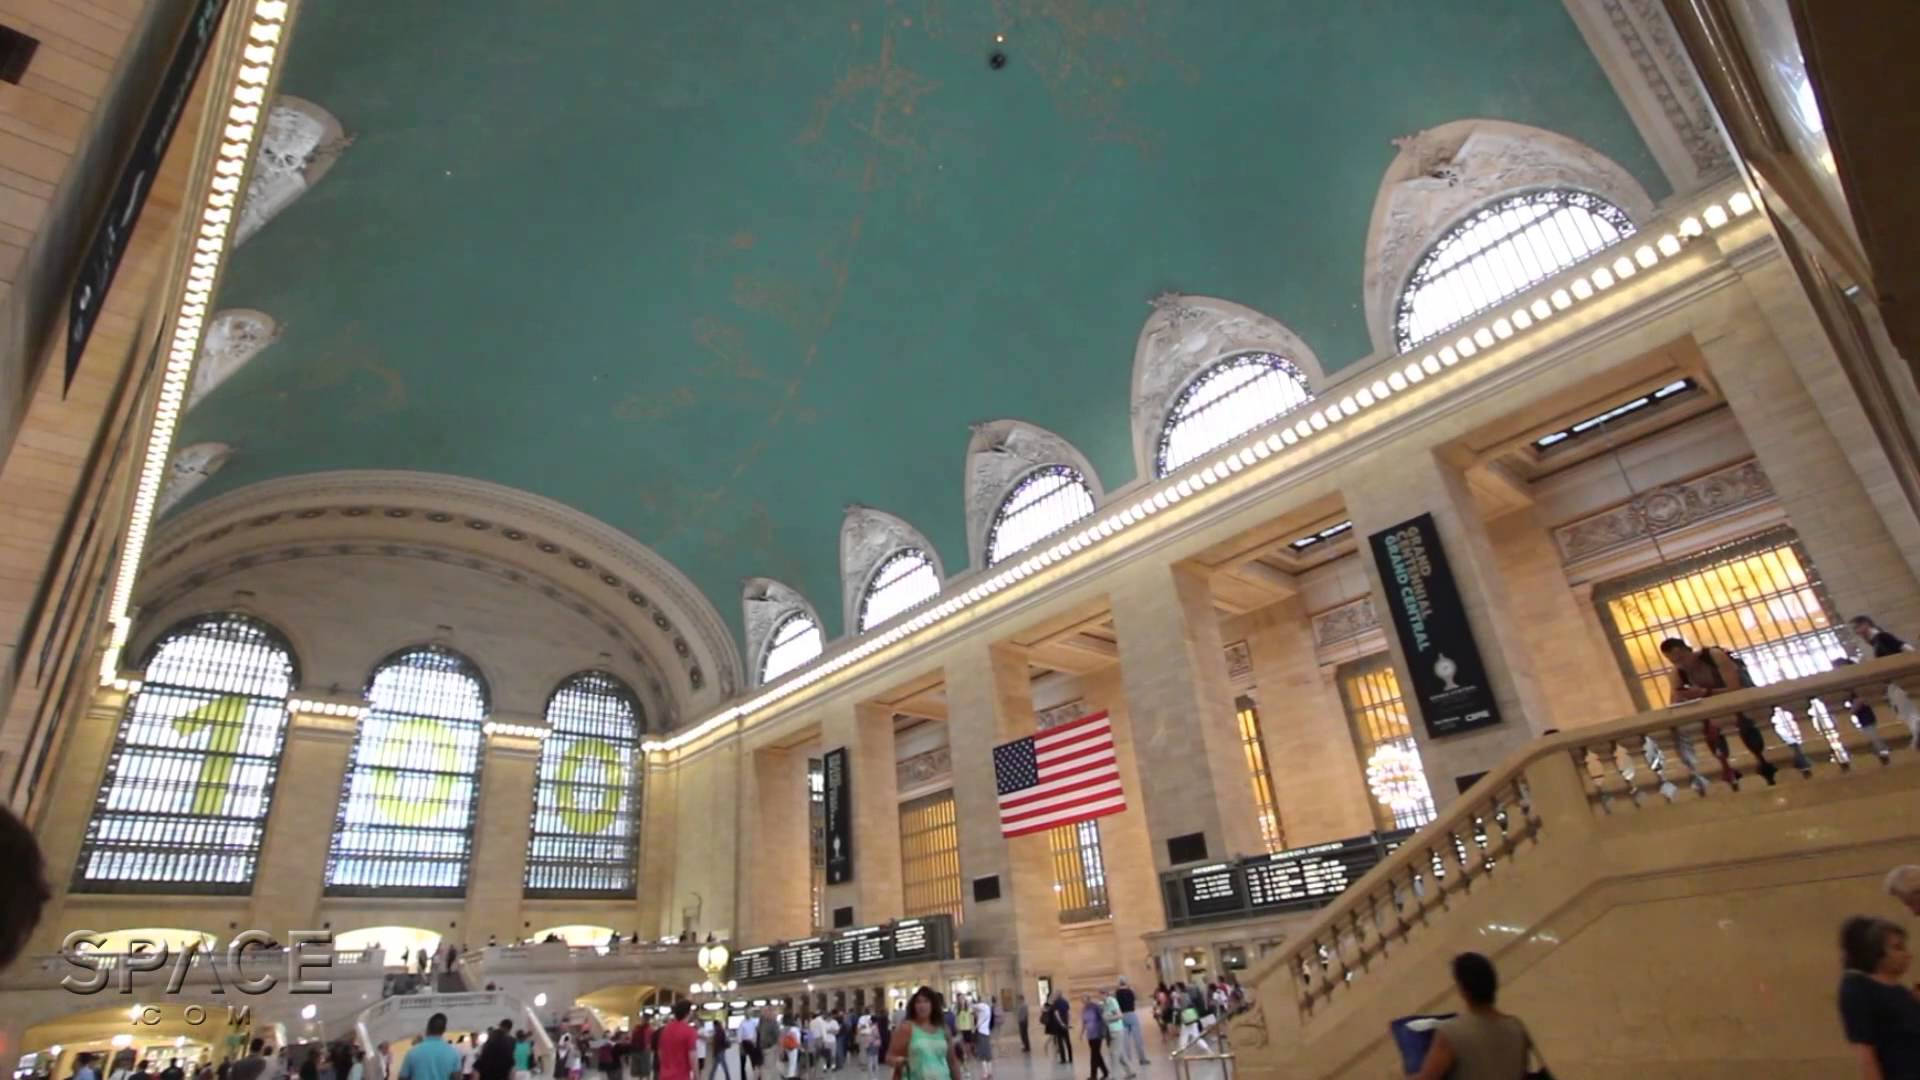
x,y
996,59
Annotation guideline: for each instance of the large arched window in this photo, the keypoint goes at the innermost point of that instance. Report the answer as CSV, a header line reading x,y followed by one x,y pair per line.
x,y
1502,249
903,579
184,804
1226,401
1045,501
406,817
586,804
795,640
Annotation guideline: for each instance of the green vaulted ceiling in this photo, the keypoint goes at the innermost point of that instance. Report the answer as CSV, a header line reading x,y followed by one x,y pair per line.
x,y
712,271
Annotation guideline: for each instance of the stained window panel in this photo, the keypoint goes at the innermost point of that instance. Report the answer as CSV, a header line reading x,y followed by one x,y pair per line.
x,y
585,837
1383,733
796,640
1232,398
1079,872
190,780
405,824
1044,502
903,580
1499,251
930,856
1253,745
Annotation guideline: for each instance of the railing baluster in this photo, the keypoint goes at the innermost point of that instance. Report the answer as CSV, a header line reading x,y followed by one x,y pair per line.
x,y
1683,745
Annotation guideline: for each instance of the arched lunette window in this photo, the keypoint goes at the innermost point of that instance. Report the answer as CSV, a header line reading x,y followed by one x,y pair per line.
x,y
1045,501
1226,401
1500,250
183,808
903,580
585,838
405,825
796,640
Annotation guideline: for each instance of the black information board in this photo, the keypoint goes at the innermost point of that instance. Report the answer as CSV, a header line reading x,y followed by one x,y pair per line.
x,y
839,811
1212,890
1296,880
137,173
1449,679
904,941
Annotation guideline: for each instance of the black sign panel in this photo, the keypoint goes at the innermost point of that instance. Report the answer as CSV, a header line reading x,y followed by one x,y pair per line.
x,y
839,800
912,939
136,178
1449,680
1212,890
904,941
1311,876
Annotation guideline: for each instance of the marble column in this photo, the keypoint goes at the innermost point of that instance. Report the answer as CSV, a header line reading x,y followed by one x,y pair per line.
x,y
497,872
1381,497
989,701
866,732
1180,704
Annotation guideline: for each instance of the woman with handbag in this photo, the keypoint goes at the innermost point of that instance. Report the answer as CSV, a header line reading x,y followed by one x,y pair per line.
x,y
921,1048
1482,1043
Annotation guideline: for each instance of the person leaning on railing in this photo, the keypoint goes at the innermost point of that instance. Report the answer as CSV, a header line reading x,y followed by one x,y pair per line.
x,y
1704,673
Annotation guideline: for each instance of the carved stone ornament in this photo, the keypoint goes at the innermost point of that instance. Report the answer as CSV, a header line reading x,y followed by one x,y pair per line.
x,y
920,770
1346,622
234,337
300,144
1445,173
765,603
1664,509
1185,336
191,466
1239,665
1647,35
1059,714
866,537
999,455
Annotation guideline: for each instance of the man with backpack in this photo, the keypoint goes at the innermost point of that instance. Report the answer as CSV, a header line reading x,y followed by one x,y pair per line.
x,y
1713,670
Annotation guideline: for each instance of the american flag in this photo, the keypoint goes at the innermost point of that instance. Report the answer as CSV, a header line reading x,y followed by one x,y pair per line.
x,y
1059,776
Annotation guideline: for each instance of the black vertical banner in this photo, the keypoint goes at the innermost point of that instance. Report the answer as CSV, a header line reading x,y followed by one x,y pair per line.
x,y
1449,680
839,818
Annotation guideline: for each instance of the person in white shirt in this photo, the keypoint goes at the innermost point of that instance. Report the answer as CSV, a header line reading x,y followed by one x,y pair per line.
x,y
983,1037
466,1057
817,1046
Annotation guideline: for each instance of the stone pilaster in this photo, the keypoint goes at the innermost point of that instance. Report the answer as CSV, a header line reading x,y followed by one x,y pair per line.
x,y
876,891
1380,497
1126,844
1180,704
292,877
497,872
63,824
776,863
990,700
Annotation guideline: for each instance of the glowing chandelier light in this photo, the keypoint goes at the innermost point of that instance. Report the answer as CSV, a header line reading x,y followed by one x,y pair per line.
x,y
1395,777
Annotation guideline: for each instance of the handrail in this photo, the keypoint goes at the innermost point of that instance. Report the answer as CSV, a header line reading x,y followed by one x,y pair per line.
x,y
1587,772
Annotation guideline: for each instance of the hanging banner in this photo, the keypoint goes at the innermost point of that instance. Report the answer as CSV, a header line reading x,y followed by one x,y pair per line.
x,y
839,818
1449,680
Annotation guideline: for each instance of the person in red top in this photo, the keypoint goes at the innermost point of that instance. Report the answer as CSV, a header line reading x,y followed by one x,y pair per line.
x,y
677,1041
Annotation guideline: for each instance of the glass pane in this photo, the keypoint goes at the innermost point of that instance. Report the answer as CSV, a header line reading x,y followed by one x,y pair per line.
x,y
930,856
795,642
1046,501
1389,757
585,838
905,580
1229,400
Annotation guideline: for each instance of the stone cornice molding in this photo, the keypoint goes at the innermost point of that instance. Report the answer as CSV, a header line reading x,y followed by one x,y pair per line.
x,y
420,506
1642,54
867,537
765,604
999,455
1184,337
1447,172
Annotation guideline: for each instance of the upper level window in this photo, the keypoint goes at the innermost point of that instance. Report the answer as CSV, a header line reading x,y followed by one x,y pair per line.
x,y
795,640
406,818
1226,401
586,806
1045,501
903,579
184,804
1504,248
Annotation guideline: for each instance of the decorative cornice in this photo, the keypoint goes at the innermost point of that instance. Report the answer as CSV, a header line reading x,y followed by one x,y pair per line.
x,y
1663,510
923,770
1239,664
593,549
1059,714
1648,36
1185,336
999,454
1346,622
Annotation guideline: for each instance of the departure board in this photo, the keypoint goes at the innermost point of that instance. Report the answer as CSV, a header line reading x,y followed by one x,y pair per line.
x,y
907,940
1308,877
1212,890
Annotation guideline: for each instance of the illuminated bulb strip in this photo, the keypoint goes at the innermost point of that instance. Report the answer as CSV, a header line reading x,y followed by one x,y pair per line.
x,y
261,54
524,731
325,708
1495,327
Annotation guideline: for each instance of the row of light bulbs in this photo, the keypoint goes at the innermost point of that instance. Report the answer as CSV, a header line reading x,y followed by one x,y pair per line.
x,y
245,117
1490,331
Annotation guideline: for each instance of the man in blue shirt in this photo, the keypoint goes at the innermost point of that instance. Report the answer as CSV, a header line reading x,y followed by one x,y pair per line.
x,y
431,1058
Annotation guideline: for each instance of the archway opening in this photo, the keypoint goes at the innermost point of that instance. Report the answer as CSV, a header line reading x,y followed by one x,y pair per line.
x,y
402,943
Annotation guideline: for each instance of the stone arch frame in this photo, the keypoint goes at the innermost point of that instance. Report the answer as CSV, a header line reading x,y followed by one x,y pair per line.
x,y
645,604
867,537
1000,454
765,603
1183,339
1443,174
300,144
475,669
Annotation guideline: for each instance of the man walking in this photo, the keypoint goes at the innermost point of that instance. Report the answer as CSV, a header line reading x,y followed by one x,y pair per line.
x,y
677,1041
1129,1025
1020,1017
431,1058
495,1061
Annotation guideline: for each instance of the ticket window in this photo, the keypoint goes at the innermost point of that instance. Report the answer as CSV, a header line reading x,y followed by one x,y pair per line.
x,y
1232,957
